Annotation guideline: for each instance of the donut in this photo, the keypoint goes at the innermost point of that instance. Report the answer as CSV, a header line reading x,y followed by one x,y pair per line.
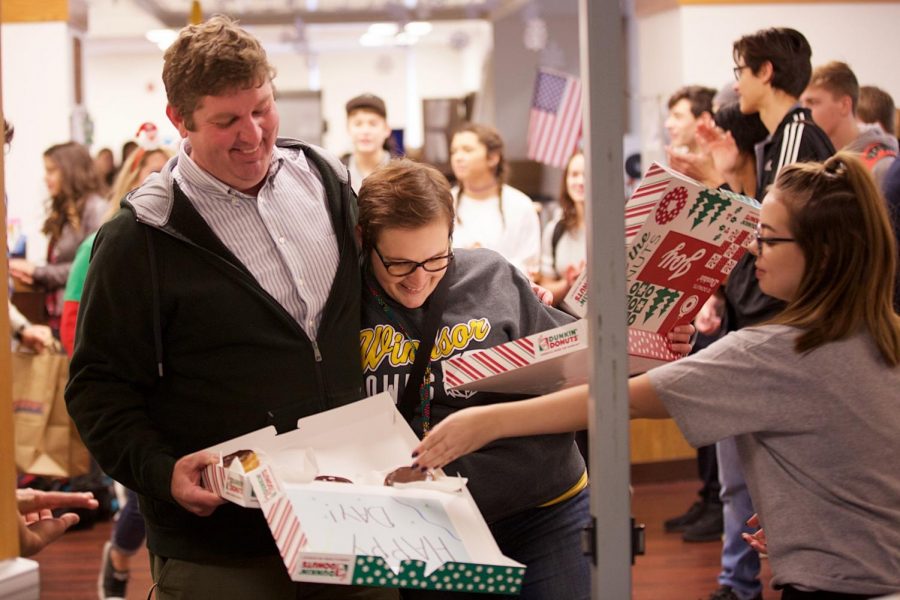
x,y
333,478
248,458
406,475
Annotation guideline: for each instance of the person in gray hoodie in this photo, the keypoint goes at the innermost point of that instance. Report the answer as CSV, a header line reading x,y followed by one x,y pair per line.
x,y
531,490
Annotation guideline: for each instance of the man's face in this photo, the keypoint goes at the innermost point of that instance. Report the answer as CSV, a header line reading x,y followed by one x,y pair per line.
x,y
368,131
828,111
234,135
749,86
681,124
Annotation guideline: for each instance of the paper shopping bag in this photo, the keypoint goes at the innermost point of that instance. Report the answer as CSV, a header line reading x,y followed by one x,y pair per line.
x,y
47,442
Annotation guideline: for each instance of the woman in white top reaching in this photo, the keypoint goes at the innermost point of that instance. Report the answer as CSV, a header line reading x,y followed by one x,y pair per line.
x,y
564,245
489,213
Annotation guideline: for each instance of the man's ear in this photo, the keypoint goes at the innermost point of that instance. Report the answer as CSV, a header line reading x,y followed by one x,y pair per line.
x,y
177,120
766,71
846,105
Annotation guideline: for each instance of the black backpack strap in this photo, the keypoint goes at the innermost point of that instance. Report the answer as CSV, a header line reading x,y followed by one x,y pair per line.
x,y
410,400
558,230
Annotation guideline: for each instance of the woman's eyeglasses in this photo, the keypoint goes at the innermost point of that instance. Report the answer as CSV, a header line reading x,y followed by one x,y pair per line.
x,y
401,268
761,241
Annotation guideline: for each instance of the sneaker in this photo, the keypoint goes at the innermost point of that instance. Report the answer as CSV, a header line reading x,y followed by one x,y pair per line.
x,y
708,528
725,592
111,584
681,522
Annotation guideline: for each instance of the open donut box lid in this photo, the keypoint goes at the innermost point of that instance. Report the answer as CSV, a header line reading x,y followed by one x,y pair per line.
x,y
420,536
683,240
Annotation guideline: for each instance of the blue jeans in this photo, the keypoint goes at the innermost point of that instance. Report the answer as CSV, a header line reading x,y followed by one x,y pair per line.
x,y
129,530
548,542
740,562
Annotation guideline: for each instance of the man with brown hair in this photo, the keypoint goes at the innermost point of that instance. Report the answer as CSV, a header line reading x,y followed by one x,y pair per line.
x,y
222,298
833,96
876,107
688,107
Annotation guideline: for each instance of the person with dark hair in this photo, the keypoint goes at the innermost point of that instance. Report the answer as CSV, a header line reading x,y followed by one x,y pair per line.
x,y
490,213
810,395
76,211
688,107
105,164
23,331
876,107
833,96
564,245
370,135
222,298
772,68
532,491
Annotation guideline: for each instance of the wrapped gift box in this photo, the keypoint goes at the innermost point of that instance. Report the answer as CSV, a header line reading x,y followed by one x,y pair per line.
x,y
546,361
683,239
421,535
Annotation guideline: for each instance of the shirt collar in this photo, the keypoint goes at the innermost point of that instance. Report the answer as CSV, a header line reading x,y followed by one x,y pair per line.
x,y
194,176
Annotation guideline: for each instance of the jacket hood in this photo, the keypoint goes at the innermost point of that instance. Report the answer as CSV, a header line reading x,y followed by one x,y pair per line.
x,y
872,134
152,202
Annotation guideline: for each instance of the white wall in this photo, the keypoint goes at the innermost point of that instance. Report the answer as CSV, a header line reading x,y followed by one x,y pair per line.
x,y
38,97
692,45
123,91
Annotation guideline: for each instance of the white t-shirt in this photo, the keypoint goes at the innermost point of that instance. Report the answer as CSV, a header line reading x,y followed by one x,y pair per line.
x,y
571,249
516,235
818,435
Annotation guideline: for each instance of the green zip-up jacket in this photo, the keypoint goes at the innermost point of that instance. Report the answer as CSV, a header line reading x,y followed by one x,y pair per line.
x,y
179,348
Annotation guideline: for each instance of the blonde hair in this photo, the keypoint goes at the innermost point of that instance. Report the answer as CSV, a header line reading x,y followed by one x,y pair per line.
x,y
841,224
127,178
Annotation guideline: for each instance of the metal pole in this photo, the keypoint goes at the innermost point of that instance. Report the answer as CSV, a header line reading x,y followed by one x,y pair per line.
x,y
602,73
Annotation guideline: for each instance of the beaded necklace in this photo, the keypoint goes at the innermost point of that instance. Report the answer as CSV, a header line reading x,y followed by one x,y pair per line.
x,y
425,386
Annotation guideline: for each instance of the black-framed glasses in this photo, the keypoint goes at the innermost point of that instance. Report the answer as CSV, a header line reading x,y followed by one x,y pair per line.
x,y
760,240
737,71
401,268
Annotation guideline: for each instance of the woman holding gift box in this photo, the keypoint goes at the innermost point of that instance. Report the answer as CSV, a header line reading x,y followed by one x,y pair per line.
x,y
811,395
415,288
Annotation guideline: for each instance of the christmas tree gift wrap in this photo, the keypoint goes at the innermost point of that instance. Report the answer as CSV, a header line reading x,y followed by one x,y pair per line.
x,y
341,512
683,239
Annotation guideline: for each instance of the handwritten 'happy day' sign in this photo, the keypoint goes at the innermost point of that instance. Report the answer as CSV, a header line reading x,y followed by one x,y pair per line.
x,y
393,528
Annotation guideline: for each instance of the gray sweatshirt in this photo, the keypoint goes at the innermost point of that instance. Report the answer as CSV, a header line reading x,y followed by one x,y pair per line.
x,y
489,302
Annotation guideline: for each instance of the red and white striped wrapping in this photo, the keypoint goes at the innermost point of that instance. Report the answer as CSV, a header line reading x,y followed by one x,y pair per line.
x,y
286,530
229,484
652,187
545,361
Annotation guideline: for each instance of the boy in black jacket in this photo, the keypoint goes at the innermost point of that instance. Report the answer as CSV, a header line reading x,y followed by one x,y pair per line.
x,y
772,68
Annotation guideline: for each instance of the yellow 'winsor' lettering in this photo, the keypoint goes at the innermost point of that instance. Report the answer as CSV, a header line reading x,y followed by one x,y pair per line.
x,y
384,342
458,337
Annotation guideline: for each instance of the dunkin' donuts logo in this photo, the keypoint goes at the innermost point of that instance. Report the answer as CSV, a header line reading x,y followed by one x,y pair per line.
x,y
557,341
324,568
266,487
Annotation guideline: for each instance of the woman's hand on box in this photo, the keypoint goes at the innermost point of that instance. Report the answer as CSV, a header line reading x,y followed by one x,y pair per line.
x,y
186,486
681,339
460,433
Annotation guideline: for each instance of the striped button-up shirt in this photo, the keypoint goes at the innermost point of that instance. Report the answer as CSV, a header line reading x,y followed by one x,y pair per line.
x,y
283,236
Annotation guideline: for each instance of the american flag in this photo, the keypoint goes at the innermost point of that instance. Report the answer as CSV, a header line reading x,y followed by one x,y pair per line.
x,y
555,125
